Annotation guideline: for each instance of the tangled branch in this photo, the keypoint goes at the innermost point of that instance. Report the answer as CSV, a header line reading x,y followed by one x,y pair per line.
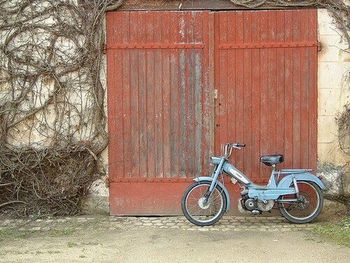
x,y
343,121
52,99
51,103
49,181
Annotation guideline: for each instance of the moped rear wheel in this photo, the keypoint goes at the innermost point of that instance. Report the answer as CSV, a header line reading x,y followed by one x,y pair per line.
x,y
309,206
202,211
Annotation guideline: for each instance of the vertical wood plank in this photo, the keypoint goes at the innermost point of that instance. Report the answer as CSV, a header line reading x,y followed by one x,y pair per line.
x,y
125,85
134,97
248,131
288,87
150,95
296,24
256,86
174,105
208,86
231,87
280,77
142,88
222,118
166,87
239,86
158,99
264,88
313,71
304,92
272,86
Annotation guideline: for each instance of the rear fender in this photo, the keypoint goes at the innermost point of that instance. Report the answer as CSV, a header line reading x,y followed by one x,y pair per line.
x,y
210,179
309,177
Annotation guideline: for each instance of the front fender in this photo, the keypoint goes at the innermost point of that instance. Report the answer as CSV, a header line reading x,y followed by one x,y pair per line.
x,y
287,180
210,179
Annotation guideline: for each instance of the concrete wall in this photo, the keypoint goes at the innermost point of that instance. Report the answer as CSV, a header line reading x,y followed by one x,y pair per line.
x,y
334,66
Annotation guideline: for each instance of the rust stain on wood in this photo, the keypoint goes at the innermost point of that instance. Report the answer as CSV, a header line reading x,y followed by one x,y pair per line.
x,y
164,121
266,66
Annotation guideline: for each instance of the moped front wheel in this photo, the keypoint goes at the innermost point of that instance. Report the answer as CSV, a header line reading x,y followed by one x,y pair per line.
x,y
201,210
307,208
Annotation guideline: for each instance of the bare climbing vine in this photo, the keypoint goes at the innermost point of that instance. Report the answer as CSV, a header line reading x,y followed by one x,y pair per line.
x,y
52,99
344,129
52,111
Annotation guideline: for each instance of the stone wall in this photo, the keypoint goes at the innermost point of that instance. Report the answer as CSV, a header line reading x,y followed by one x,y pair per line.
x,y
333,95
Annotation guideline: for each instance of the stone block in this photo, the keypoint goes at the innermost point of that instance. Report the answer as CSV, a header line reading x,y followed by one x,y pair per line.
x,y
345,96
332,49
99,188
104,158
96,205
344,55
329,103
332,176
327,129
329,53
330,152
97,201
325,23
331,75
346,180
330,208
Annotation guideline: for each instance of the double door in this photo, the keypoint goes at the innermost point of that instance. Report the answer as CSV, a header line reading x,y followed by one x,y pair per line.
x,y
180,84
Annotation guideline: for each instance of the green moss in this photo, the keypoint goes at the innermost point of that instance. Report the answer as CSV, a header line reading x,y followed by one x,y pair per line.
x,y
337,232
15,234
72,244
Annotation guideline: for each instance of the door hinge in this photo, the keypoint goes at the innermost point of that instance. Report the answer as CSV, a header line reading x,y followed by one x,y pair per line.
x,y
215,94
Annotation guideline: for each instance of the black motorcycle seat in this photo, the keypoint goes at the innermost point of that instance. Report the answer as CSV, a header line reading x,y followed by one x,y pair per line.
x,y
273,159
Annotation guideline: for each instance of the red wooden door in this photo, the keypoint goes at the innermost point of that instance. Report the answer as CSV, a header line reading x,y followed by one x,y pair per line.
x,y
160,116
161,70
265,73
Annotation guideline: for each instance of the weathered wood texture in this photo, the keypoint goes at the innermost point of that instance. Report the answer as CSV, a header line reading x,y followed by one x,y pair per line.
x,y
266,72
158,95
159,109
162,70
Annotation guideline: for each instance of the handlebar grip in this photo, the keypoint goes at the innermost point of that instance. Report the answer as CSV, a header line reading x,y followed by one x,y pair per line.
x,y
241,145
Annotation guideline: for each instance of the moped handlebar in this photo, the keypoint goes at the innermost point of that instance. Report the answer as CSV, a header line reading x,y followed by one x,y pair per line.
x,y
238,145
229,146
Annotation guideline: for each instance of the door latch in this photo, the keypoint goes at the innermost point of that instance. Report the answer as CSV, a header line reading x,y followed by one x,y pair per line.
x,y
215,94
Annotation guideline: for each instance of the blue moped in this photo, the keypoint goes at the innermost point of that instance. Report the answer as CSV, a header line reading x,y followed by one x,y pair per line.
x,y
296,192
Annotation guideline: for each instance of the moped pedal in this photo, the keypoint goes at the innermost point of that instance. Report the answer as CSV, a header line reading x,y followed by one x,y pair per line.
x,y
255,212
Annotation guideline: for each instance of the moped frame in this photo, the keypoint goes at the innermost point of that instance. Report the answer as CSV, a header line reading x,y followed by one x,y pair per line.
x,y
281,182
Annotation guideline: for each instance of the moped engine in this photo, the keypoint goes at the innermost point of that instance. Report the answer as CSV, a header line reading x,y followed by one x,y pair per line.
x,y
255,205
250,204
265,207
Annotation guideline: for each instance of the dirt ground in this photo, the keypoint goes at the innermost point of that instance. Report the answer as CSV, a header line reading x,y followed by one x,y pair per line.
x,y
151,241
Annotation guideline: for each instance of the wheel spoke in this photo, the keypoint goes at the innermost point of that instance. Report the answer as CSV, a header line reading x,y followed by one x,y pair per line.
x,y
308,205
196,208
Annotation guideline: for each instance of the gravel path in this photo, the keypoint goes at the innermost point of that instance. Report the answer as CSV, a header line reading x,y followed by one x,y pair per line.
x,y
163,239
